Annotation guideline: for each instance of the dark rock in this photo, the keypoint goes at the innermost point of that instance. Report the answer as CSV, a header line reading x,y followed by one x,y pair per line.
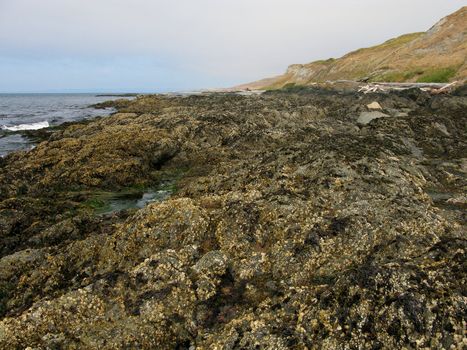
x,y
461,91
289,226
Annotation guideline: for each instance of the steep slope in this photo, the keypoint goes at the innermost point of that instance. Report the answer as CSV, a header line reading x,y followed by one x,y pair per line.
x,y
438,55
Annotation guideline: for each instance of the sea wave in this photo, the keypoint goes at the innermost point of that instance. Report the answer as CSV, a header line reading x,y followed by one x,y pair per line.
x,y
32,126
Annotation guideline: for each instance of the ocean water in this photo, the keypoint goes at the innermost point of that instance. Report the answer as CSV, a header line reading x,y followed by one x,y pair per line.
x,y
35,111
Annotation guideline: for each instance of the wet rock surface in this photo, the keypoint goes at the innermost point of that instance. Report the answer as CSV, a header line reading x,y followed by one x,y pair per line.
x,y
290,225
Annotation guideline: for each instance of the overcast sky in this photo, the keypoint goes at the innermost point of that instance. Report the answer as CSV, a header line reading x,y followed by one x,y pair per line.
x,y
169,45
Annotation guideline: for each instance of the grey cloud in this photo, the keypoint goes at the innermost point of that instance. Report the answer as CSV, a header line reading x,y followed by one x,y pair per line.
x,y
239,40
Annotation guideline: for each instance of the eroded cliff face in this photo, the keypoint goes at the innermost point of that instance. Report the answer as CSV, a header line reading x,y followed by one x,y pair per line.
x,y
437,55
292,225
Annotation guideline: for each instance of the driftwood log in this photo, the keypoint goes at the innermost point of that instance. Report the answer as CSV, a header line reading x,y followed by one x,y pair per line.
x,y
433,88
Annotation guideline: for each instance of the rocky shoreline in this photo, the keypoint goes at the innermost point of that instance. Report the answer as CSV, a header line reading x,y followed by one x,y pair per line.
x,y
290,224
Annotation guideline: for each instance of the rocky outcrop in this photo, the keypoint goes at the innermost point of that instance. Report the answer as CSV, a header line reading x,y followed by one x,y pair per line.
x,y
292,226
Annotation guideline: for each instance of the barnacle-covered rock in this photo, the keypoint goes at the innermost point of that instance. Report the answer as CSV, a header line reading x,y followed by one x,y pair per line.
x,y
290,226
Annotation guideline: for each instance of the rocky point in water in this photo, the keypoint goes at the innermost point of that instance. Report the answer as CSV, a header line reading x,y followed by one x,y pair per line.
x,y
290,225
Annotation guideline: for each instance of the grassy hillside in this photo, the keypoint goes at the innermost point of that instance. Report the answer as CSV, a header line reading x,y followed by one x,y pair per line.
x,y
437,55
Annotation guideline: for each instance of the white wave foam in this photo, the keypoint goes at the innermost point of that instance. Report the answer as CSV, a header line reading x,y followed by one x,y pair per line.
x,y
32,126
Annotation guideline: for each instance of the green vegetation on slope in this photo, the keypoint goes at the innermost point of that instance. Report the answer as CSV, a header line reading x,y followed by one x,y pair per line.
x,y
398,76
442,75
